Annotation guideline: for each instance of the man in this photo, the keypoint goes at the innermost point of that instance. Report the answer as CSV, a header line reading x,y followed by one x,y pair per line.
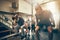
x,y
19,20
43,18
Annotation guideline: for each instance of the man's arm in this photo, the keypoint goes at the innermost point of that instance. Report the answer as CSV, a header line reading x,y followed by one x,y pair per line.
x,y
36,23
51,19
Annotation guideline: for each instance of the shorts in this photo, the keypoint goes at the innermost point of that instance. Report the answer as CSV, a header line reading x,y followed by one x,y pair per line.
x,y
44,23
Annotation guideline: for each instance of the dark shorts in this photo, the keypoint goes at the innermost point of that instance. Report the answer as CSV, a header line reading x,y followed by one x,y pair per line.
x,y
44,23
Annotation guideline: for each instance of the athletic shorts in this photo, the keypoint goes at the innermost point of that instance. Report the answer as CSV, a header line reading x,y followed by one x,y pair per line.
x,y
44,23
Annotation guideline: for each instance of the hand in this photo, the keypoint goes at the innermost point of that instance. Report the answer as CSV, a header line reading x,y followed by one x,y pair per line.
x,y
49,29
26,31
36,28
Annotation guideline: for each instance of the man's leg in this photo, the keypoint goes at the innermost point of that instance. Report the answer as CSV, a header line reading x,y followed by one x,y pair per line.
x,y
50,33
37,33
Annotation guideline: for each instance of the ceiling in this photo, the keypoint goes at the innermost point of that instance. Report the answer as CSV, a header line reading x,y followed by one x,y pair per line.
x,y
9,0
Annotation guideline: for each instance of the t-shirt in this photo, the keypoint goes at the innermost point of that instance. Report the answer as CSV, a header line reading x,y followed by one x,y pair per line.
x,y
20,21
43,17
